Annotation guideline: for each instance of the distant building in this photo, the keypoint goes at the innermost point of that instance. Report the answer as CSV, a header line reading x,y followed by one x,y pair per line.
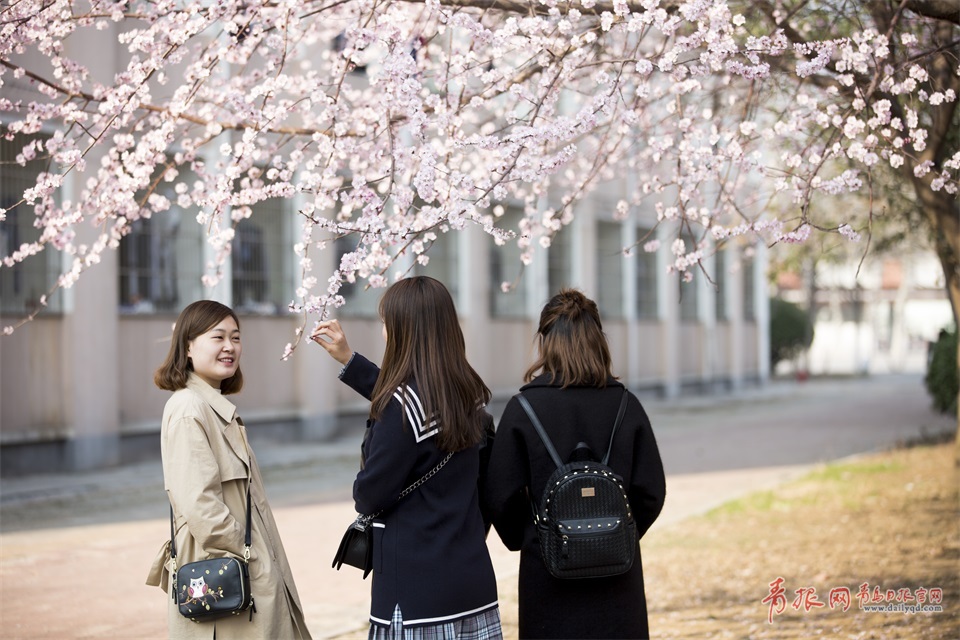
x,y
879,321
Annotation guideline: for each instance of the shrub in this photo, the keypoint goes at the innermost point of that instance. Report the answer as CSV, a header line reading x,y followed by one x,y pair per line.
x,y
790,330
942,379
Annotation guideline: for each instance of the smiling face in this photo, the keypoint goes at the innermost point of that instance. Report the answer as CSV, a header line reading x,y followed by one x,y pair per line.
x,y
215,355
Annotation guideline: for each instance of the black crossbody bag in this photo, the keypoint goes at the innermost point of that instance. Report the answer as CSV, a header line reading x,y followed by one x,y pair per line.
x,y
356,546
216,587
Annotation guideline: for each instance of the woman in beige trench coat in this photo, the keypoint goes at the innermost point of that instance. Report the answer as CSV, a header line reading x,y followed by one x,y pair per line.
x,y
207,462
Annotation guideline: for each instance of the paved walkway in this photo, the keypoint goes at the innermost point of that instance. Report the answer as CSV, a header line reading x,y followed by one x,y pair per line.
x,y
75,548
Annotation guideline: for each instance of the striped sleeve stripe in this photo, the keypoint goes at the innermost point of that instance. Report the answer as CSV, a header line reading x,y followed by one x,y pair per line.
x,y
415,414
414,418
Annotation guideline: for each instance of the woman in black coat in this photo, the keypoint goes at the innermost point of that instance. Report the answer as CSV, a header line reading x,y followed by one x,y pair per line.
x,y
574,394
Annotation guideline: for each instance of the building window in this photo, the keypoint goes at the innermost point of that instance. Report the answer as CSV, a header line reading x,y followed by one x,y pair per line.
x,y
647,299
720,280
442,264
505,266
689,302
23,285
362,301
560,261
340,45
610,270
160,259
262,280
749,291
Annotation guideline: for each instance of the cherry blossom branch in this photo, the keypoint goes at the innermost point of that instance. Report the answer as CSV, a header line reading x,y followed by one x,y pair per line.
x,y
563,8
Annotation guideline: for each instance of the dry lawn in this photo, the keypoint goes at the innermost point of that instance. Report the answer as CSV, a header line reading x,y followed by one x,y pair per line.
x,y
889,520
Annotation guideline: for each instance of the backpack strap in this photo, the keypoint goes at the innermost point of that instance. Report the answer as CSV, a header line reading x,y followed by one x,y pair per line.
x,y
540,431
616,425
546,439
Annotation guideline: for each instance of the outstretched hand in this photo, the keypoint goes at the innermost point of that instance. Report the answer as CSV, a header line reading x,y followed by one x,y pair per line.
x,y
330,336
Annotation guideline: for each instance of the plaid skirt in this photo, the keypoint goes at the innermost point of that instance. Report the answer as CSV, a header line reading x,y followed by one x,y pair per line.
x,y
483,626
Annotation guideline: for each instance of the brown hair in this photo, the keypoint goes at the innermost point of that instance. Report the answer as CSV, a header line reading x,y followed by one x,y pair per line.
x,y
196,319
425,343
573,347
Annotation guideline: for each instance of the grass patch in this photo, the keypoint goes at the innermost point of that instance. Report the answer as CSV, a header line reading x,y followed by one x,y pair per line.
x,y
844,472
811,489
762,502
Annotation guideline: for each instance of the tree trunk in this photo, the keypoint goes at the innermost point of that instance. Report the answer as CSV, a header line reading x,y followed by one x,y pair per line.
x,y
941,209
953,290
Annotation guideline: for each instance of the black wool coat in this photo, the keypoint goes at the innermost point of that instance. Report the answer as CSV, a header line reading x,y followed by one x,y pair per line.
x,y
613,607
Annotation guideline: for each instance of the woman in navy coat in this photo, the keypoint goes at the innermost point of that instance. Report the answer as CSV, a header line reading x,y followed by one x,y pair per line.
x,y
432,575
574,394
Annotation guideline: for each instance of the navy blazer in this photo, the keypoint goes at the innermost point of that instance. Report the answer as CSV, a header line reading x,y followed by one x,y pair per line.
x,y
430,551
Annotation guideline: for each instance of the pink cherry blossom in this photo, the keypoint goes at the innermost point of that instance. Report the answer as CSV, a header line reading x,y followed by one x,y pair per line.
x,y
395,123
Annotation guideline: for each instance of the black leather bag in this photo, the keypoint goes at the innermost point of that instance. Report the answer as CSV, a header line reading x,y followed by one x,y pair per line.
x,y
215,587
356,546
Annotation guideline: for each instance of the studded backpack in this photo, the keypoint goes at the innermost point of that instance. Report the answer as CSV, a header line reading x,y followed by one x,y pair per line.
x,y
584,522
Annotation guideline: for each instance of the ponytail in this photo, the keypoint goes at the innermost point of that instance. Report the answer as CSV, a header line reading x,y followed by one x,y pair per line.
x,y
573,347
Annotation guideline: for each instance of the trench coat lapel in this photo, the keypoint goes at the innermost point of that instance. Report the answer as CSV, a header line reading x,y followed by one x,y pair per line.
x,y
227,412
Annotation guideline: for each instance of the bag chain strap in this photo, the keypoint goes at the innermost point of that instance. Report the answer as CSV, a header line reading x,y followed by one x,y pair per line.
x,y
416,485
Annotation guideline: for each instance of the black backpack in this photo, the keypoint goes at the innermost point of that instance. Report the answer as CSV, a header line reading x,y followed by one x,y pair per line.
x,y
584,521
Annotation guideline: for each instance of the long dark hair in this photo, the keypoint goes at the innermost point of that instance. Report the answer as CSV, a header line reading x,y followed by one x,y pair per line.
x,y
573,347
425,344
195,320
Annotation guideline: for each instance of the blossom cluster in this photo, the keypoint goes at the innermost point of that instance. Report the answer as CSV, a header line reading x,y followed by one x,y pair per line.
x,y
396,122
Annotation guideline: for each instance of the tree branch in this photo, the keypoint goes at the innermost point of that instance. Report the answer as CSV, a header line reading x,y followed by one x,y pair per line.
x,y
536,8
946,10
238,126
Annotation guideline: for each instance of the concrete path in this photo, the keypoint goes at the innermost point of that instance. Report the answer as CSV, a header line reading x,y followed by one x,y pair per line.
x,y
75,549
